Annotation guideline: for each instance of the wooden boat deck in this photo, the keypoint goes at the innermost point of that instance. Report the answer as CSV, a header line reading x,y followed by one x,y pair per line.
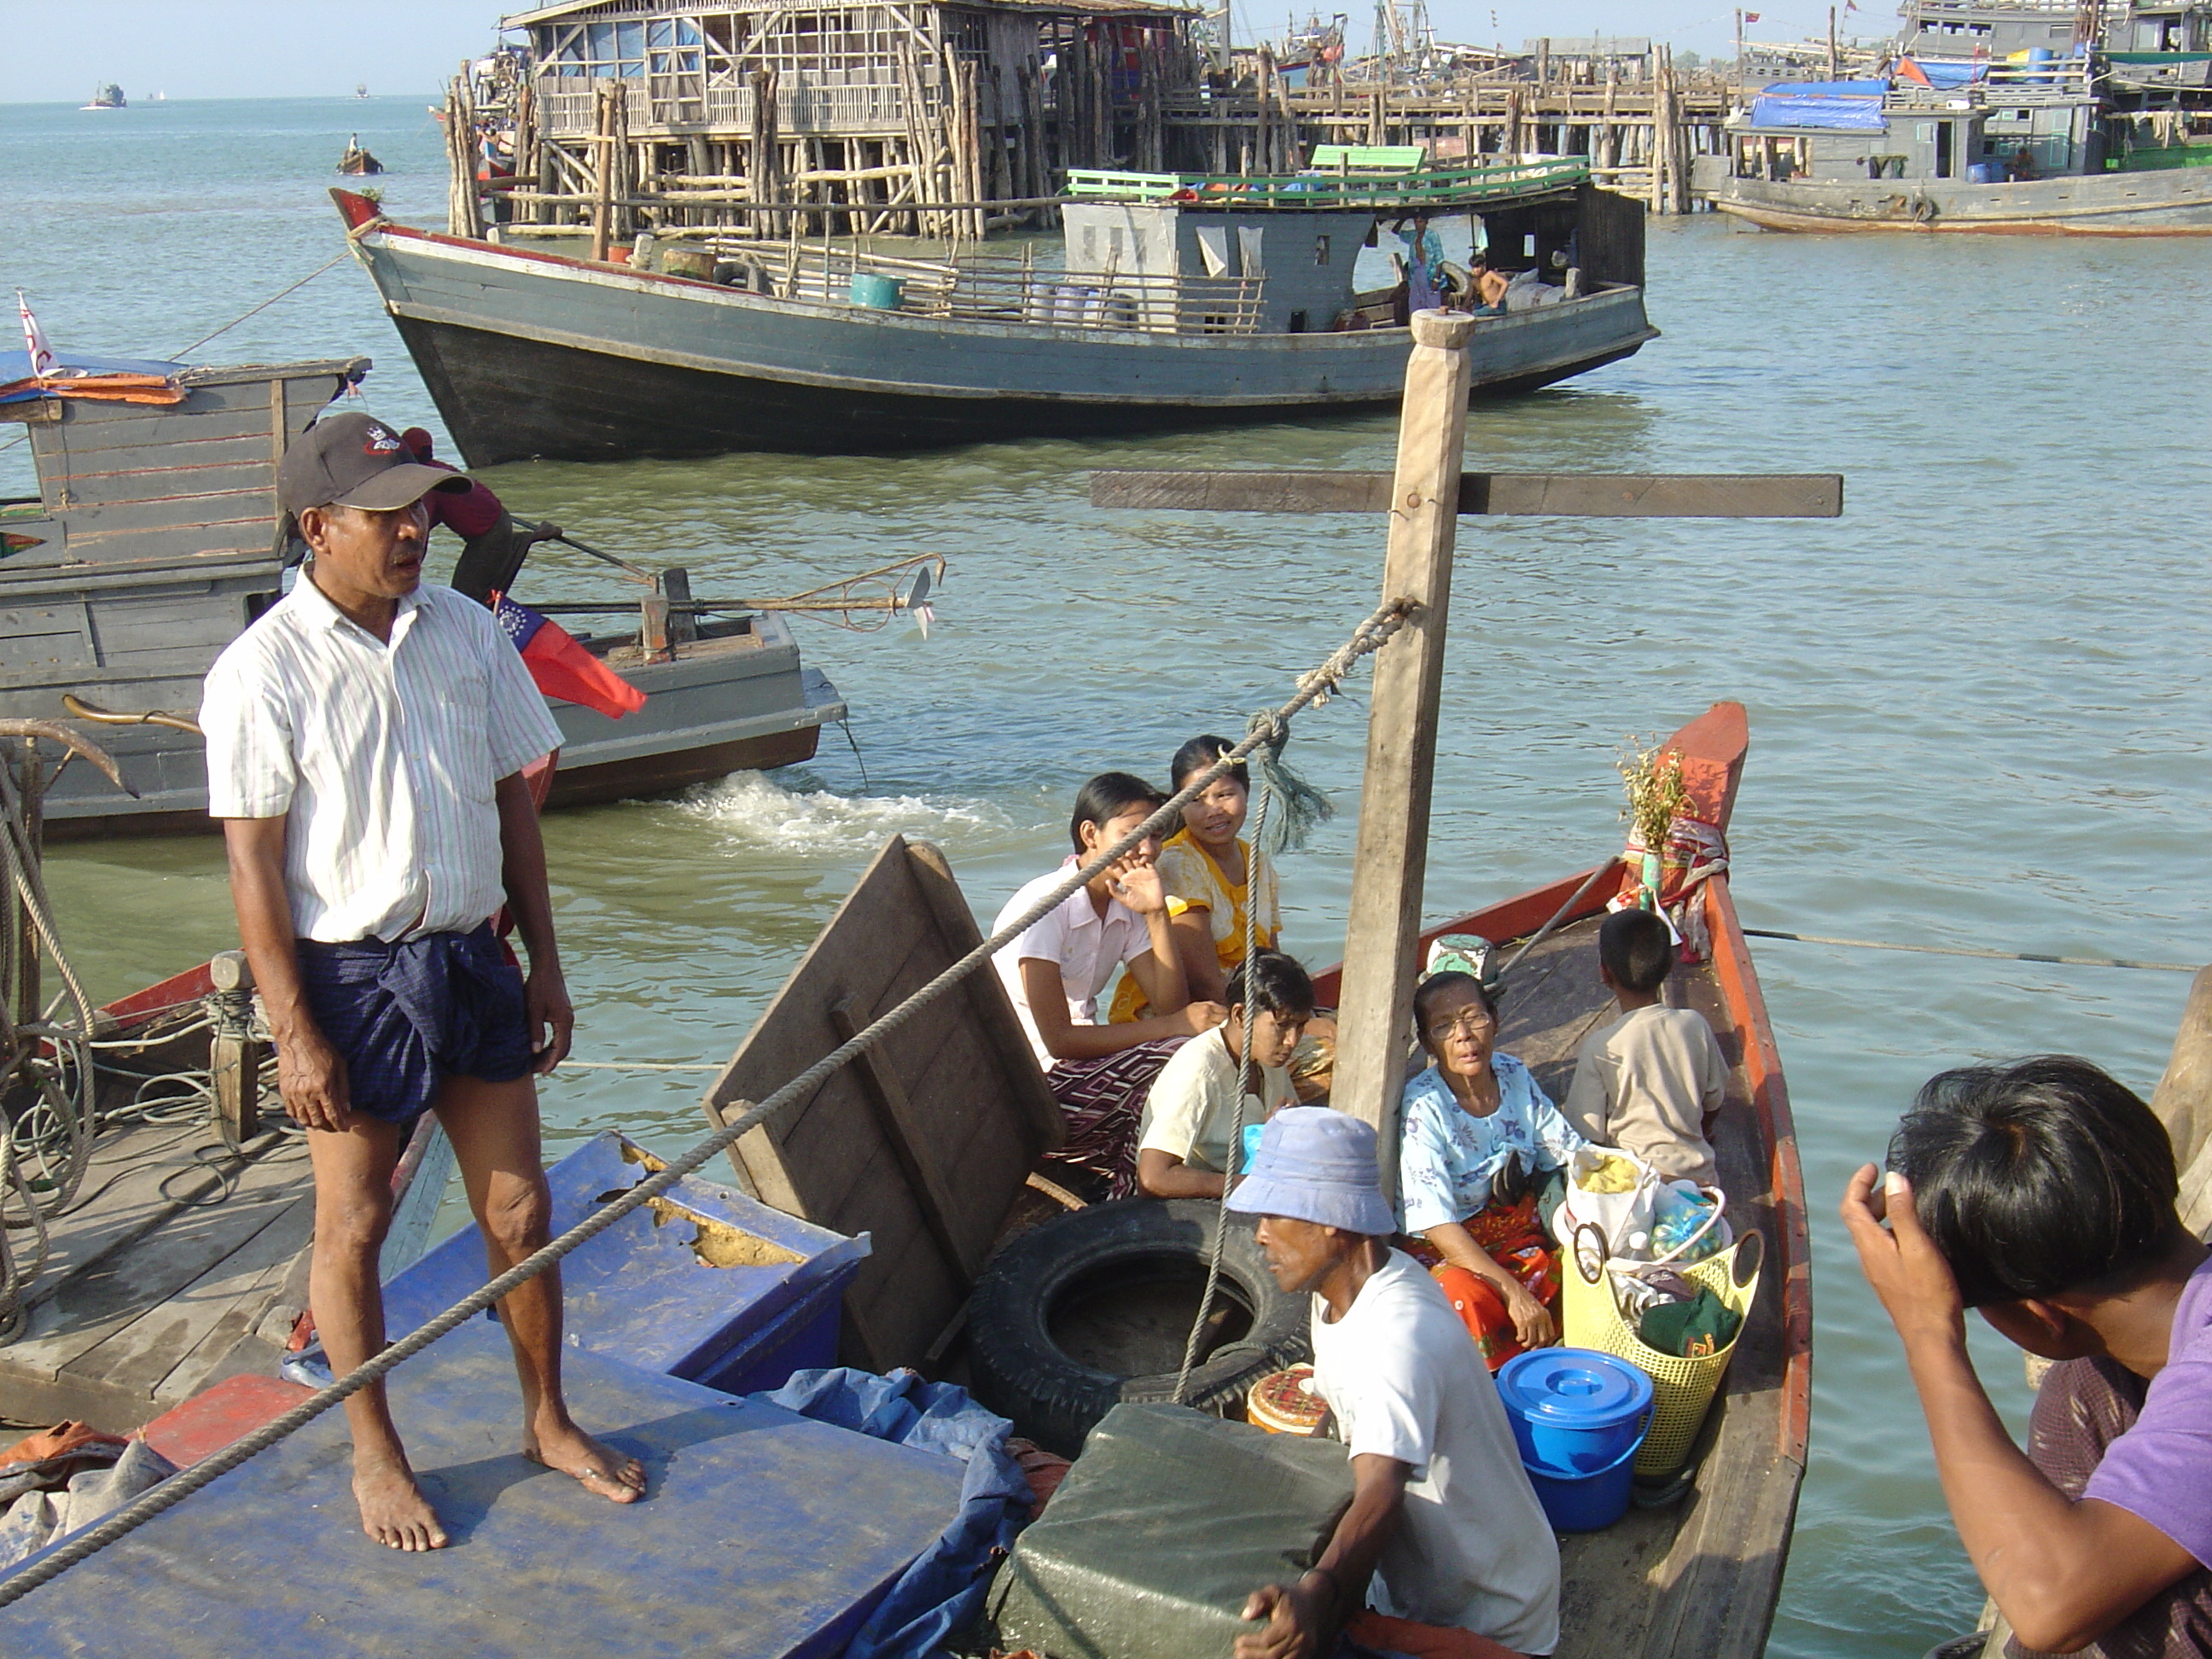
x,y
181,1265
1699,1575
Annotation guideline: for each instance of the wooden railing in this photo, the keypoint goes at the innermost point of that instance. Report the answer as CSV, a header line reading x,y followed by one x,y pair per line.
x,y
804,105
1434,188
991,291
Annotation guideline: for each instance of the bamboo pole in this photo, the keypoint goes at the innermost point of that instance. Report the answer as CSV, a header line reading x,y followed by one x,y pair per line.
x,y
1391,857
603,176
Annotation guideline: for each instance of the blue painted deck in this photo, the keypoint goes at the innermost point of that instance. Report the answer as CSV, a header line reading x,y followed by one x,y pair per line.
x,y
763,1535
641,1292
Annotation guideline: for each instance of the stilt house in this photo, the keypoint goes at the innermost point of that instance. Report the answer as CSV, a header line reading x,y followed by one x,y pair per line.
x,y
901,106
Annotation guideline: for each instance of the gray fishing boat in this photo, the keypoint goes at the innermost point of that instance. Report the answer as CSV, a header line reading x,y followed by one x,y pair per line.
x,y
1180,300
153,541
2034,147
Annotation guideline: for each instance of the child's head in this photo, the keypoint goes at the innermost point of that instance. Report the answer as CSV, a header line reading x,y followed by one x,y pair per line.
x,y
1107,798
2041,1179
1635,951
1277,999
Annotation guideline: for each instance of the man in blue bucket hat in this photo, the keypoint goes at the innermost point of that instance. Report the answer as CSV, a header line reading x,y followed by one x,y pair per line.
x,y
1443,1522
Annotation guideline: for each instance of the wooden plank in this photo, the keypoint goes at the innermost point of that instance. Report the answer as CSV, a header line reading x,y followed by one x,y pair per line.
x,y
163,1253
186,1332
989,1005
1390,856
126,1178
1513,494
972,1107
164,484
909,1141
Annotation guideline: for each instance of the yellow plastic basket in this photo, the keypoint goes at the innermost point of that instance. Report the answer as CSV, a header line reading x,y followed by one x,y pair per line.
x,y
1681,1390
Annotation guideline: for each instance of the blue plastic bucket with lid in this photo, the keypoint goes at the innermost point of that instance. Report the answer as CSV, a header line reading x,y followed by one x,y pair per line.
x,y
1579,1417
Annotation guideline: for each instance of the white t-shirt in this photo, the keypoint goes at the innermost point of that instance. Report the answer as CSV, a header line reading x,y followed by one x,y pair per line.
x,y
1087,948
1473,1549
1192,1103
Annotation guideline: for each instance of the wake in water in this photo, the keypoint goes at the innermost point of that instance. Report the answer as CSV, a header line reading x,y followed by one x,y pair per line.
x,y
754,811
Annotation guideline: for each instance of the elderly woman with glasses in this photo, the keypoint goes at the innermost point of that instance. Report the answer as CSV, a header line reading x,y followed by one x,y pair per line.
x,y
1478,1139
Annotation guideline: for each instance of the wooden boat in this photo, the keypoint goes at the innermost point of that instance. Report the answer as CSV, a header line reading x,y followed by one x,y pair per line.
x,y
184,1258
153,542
1699,1576
923,1145
1902,155
1181,301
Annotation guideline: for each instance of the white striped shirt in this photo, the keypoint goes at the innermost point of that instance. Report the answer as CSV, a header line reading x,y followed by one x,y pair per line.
x,y
383,756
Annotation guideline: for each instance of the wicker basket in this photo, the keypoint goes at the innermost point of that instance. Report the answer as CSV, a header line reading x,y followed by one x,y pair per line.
x,y
1681,1390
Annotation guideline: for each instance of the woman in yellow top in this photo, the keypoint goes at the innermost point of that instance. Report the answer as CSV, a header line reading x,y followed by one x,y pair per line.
x,y
1207,870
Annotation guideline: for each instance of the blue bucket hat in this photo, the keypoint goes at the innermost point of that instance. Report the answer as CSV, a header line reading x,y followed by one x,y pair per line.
x,y
1318,1165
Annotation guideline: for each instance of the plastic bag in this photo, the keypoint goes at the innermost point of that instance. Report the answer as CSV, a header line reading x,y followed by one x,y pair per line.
x,y
1615,1191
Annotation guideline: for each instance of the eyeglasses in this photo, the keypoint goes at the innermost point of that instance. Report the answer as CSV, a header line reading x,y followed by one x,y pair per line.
x,y
1472,1022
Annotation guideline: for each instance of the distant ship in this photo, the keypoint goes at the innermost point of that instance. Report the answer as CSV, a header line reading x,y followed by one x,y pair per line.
x,y
361,89
108,97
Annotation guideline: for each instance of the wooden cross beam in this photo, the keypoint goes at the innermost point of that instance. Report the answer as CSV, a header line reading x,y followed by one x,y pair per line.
x,y
1498,495
1426,498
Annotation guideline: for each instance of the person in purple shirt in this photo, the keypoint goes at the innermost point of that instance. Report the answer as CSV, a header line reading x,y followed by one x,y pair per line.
x,y
2043,1195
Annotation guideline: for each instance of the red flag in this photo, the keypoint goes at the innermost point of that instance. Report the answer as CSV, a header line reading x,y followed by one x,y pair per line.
x,y
561,666
1750,17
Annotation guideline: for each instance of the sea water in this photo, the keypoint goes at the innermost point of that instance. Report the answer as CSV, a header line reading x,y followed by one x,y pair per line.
x,y
1978,701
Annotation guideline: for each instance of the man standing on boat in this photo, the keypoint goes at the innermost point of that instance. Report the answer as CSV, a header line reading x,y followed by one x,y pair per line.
x,y
366,739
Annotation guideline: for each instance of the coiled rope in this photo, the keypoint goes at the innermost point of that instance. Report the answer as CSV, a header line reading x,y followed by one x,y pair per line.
x,y
1315,687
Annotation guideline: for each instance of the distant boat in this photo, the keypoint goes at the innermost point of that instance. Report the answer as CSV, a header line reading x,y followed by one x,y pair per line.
x,y
158,98
108,97
361,89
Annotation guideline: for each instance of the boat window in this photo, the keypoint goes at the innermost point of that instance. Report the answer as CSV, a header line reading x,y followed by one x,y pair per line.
x,y
1529,246
1297,322
1113,244
1321,250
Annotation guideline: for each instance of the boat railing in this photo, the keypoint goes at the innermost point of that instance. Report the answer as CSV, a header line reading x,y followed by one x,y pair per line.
x,y
1433,188
1006,291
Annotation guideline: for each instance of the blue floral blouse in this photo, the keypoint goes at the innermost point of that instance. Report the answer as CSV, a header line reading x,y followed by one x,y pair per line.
x,y
1448,1158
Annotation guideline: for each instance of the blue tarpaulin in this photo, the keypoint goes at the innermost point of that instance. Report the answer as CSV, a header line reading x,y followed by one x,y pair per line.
x,y
1842,106
1956,72
943,1591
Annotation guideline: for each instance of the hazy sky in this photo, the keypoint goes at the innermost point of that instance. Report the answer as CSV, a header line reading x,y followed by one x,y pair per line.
x,y
57,51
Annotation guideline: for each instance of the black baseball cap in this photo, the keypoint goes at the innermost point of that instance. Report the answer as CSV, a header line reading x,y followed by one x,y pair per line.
x,y
355,460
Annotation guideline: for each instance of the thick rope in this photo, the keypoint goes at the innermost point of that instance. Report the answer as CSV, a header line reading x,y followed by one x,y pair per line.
x,y
1314,687
1246,1069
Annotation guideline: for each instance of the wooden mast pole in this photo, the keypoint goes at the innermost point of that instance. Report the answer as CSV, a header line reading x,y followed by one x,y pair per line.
x,y
1391,857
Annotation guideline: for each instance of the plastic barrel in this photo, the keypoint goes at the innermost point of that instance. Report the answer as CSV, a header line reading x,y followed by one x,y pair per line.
x,y
876,293
1579,1417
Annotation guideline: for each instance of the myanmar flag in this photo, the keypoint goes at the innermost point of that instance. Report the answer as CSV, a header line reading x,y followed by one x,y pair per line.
x,y
561,667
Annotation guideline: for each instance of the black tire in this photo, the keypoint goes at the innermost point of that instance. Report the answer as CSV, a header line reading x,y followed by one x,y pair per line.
x,y
1021,1372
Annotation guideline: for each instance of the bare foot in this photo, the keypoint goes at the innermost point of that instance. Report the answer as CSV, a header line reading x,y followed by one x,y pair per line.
x,y
601,1468
393,1511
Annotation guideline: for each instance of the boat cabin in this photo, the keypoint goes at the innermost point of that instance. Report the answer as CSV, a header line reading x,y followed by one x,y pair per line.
x,y
1297,243
1984,131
